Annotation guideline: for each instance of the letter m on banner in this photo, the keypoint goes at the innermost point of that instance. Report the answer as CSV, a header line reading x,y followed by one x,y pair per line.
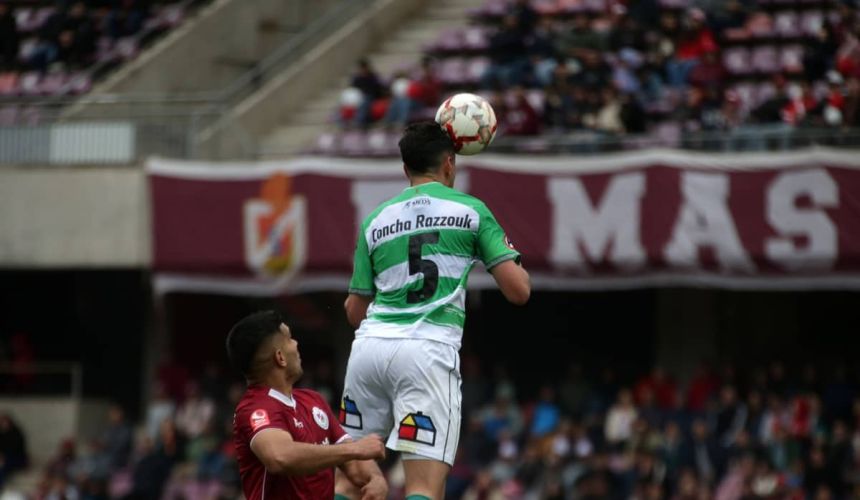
x,y
606,231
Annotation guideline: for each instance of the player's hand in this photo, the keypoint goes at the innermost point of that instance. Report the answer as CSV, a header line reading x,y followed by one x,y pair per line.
x,y
375,489
369,447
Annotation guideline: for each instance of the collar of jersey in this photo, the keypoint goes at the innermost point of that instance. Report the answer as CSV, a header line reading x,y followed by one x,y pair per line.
x,y
283,398
422,185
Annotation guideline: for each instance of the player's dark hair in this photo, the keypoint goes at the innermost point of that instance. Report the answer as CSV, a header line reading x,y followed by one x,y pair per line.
x,y
423,147
246,337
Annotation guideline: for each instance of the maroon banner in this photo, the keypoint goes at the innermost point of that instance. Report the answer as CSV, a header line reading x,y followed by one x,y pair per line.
x,y
647,219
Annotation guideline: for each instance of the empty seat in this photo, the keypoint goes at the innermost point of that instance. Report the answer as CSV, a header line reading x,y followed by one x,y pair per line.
x,y
737,60
29,83
8,83
765,59
787,24
811,22
792,58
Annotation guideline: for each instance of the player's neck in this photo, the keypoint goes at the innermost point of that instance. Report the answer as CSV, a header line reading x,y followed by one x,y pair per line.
x,y
276,381
424,179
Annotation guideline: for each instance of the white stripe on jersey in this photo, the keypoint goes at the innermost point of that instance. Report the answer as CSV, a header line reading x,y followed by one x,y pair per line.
x,y
456,298
396,277
408,210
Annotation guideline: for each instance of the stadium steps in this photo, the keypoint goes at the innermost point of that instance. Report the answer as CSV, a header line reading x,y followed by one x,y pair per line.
x,y
401,49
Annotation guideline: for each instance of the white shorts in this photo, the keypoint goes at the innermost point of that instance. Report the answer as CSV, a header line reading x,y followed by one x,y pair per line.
x,y
408,390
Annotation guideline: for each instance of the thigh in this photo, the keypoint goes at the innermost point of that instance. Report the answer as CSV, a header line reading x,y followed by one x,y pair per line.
x,y
366,406
426,380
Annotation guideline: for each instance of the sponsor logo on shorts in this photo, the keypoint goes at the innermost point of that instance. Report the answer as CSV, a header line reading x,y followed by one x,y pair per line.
x,y
419,428
349,415
259,418
320,418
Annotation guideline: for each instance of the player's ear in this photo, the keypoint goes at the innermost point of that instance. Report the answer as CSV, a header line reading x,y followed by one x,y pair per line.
x,y
280,359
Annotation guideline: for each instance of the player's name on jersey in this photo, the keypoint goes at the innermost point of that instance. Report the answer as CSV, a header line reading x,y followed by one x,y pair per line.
x,y
420,222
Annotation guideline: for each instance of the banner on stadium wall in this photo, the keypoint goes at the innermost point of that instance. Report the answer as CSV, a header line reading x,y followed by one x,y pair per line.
x,y
640,219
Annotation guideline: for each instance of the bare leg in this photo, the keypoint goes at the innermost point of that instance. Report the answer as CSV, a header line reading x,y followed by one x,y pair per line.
x,y
426,477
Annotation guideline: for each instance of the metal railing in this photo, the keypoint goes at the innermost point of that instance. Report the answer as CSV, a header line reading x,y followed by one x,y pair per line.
x,y
41,379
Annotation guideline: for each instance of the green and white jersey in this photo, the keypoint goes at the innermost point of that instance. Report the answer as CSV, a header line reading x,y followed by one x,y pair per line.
x,y
414,254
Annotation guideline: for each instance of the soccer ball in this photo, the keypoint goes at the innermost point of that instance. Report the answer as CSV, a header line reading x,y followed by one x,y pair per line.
x,y
469,120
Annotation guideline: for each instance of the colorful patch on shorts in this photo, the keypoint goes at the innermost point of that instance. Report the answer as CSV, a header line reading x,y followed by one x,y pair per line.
x,y
349,415
419,428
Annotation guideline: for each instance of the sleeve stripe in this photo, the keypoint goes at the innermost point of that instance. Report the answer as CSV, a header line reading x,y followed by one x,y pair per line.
x,y
362,291
345,437
502,258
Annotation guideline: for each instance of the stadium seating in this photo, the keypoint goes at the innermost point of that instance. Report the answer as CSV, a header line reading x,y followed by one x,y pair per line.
x,y
768,40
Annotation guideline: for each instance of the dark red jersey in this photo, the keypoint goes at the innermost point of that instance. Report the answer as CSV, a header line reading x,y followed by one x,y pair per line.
x,y
307,417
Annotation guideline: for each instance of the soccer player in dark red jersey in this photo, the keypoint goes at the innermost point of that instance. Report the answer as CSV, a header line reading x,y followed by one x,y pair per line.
x,y
287,440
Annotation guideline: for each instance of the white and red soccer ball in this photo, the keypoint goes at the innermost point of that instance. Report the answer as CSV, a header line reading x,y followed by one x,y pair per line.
x,y
469,120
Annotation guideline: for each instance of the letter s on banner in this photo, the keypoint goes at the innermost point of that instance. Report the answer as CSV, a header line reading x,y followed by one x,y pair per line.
x,y
790,221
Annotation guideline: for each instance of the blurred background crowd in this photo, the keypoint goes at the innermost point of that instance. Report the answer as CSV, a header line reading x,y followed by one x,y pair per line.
x,y
768,432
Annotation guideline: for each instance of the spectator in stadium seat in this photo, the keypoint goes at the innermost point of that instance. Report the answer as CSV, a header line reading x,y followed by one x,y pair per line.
x,y
580,41
508,56
501,414
13,448
9,38
518,117
624,71
701,453
731,415
694,41
526,16
126,18
366,81
595,74
819,53
83,36
60,464
541,52
573,391
851,115
627,34
608,117
709,72
116,439
661,386
727,15
152,468
159,409
558,103
765,123
196,412
619,420
417,93
546,415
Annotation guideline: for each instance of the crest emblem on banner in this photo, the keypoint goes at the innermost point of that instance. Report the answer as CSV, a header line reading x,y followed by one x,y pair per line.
x,y
275,229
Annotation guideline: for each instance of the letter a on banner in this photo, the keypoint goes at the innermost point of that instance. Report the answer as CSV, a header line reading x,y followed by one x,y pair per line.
x,y
704,221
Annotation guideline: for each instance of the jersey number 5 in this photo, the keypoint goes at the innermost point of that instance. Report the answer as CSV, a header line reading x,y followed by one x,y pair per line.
x,y
426,267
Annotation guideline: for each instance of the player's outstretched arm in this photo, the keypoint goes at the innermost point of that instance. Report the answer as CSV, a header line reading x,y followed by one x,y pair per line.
x,y
365,474
513,281
280,454
356,308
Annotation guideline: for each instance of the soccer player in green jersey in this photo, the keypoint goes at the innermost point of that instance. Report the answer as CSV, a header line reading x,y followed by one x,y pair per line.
x,y
407,298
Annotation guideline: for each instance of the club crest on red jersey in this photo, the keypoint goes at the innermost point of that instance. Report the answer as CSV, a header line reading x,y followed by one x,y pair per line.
x,y
259,418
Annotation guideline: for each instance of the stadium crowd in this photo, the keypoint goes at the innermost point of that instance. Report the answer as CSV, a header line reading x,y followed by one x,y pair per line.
x,y
723,435
749,71
57,47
